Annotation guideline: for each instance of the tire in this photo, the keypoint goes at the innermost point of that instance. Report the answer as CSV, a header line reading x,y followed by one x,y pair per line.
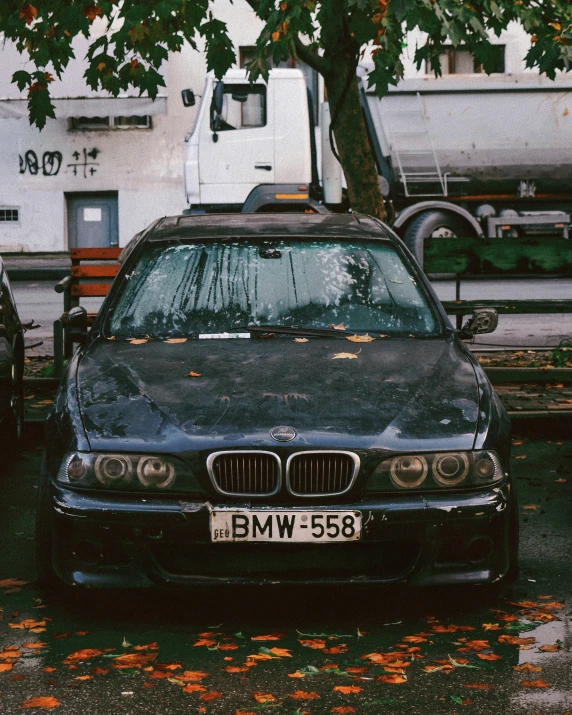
x,y
430,224
11,437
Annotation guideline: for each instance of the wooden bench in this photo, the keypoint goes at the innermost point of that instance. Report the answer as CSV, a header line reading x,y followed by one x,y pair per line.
x,y
92,272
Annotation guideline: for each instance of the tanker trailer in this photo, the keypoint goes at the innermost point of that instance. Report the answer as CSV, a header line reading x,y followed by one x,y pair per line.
x,y
475,155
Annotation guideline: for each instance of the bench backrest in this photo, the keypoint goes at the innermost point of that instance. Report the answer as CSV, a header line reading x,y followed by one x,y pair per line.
x,y
90,263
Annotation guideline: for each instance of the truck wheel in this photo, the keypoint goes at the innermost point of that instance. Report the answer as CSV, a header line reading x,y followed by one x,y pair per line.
x,y
432,224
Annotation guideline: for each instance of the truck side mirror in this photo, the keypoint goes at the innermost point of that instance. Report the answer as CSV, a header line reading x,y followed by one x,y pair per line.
x,y
216,108
484,320
188,97
77,325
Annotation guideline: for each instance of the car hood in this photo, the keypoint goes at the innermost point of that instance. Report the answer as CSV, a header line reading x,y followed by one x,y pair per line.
x,y
393,393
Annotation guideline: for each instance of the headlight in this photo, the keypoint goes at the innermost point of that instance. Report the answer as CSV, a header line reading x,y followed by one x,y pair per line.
x,y
127,472
442,470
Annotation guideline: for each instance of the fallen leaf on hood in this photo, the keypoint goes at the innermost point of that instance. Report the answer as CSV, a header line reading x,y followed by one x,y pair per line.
x,y
550,648
44,702
515,640
138,341
14,582
489,656
300,340
194,374
527,668
29,624
269,637
341,326
174,341
261,697
347,689
360,338
343,710
303,695
194,688
346,356
393,678
538,683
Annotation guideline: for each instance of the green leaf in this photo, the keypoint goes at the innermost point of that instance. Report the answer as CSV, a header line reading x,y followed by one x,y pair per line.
x,y
521,627
456,699
22,79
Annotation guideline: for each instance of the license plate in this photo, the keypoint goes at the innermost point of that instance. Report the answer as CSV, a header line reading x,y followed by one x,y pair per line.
x,y
285,526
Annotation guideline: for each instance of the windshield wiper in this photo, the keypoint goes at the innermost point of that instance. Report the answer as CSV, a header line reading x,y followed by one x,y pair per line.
x,y
292,330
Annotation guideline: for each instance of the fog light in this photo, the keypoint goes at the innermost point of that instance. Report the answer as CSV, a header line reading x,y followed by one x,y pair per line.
x,y
478,549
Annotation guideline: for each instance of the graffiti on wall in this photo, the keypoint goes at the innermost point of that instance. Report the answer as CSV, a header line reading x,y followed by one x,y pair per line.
x,y
83,163
50,165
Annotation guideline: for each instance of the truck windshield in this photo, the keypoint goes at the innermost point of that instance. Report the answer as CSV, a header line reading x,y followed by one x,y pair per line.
x,y
187,289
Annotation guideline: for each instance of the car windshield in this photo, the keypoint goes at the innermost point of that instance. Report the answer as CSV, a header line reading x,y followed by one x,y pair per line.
x,y
200,288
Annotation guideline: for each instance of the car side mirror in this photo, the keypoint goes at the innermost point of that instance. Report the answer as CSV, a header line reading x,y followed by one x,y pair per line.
x,y
188,97
77,325
484,320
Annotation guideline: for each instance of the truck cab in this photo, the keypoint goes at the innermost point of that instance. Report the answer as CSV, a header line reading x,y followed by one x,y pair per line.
x,y
245,152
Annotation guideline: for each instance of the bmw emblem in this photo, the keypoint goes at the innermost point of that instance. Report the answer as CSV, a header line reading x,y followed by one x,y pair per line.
x,y
283,433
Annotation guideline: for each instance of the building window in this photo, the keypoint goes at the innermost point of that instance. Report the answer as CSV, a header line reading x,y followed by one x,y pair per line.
x,y
95,123
244,107
9,215
458,60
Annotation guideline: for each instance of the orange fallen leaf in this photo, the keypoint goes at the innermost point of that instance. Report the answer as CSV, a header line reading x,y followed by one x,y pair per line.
x,y
515,640
43,701
5,667
414,639
488,656
85,633
475,645
560,481
80,655
138,341
213,695
478,686
521,456
393,678
269,637
261,697
147,646
303,695
315,643
228,646
538,683
13,582
205,641
191,676
343,710
100,671
527,668
550,648
491,627
347,689
133,660
173,341
335,650
194,374
48,670
360,338
245,668
280,652
341,326
83,677
356,671
193,688
300,340
29,624
534,507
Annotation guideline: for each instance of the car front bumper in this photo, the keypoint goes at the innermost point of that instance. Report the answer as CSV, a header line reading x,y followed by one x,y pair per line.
x,y
436,539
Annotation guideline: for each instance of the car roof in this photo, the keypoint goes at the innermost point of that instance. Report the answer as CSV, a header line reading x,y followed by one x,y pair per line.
x,y
212,226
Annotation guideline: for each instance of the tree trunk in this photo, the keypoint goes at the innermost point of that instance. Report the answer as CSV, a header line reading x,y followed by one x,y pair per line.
x,y
352,141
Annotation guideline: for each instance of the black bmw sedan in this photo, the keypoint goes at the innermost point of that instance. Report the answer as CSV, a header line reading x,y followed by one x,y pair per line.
x,y
274,399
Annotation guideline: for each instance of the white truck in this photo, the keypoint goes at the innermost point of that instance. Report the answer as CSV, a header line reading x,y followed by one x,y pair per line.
x,y
457,156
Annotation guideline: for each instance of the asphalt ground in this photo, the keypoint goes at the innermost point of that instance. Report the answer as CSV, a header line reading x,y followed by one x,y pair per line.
x,y
308,649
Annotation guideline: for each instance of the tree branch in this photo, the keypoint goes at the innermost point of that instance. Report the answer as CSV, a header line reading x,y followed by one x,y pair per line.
x,y
313,59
